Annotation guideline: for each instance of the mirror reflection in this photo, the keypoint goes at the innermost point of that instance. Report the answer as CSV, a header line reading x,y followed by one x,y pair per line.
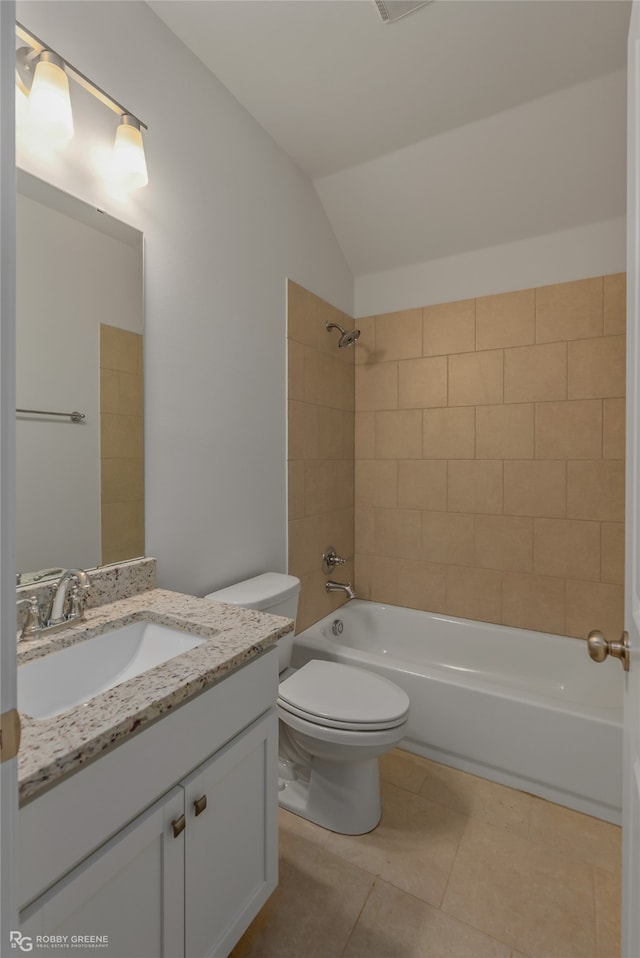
x,y
80,479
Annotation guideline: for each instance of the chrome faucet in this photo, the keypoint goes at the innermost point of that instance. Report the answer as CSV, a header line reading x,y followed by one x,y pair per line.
x,y
68,603
79,582
345,587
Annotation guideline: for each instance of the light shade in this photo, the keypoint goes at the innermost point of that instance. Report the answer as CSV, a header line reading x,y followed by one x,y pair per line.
x,y
129,160
49,101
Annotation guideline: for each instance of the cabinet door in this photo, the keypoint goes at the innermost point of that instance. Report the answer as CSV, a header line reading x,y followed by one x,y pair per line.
x,y
231,847
131,890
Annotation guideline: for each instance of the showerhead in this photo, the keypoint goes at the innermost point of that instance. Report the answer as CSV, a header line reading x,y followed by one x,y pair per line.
x,y
346,337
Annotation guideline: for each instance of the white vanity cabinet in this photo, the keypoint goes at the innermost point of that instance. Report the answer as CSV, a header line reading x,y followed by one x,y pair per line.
x,y
186,875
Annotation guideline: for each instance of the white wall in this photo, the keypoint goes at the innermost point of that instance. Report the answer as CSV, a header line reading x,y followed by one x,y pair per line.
x,y
226,217
593,250
550,165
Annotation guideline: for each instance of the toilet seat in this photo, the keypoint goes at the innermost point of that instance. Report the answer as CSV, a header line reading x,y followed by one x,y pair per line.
x,y
339,696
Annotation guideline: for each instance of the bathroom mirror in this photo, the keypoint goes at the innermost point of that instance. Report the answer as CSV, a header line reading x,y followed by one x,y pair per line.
x,y
79,325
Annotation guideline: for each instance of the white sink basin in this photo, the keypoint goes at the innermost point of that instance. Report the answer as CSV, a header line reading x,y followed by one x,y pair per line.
x,y
61,680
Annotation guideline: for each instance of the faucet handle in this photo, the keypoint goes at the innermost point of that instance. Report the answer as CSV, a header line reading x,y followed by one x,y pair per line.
x,y
331,559
33,622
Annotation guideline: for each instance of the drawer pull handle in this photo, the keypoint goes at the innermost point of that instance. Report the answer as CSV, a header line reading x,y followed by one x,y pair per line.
x,y
200,804
178,825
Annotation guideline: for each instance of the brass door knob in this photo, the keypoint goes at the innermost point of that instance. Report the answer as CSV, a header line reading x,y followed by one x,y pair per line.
x,y
600,648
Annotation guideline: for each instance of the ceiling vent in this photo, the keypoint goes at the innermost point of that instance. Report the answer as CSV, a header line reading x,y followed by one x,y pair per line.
x,y
391,10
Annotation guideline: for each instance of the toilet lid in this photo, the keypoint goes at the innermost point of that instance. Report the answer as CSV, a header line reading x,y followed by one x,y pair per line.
x,y
343,696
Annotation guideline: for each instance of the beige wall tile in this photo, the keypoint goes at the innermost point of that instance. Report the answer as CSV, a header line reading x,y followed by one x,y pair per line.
x,y
422,484
597,368
398,532
566,547
449,433
296,490
612,545
377,482
302,315
448,537
365,435
476,378
295,366
535,373
569,310
327,482
328,381
508,319
376,578
422,383
122,530
337,529
535,488
399,335
504,542
533,602
121,393
504,432
595,605
615,304
421,585
475,486
614,429
304,542
399,434
595,490
365,351
364,528
303,431
449,328
377,387
474,593
569,430
120,349
122,480
335,433
121,437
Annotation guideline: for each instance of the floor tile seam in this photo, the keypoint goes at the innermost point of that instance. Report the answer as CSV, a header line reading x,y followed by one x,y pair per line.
x,y
451,915
358,917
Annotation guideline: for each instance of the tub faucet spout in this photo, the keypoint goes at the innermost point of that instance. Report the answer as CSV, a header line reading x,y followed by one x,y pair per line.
x,y
345,587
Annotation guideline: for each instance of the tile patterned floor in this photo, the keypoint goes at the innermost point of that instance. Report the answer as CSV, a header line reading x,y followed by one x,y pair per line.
x,y
458,868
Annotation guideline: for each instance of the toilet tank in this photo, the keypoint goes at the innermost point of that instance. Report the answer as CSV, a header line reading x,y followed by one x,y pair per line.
x,y
272,592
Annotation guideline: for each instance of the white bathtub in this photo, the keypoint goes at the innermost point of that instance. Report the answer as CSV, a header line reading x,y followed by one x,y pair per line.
x,y
527,709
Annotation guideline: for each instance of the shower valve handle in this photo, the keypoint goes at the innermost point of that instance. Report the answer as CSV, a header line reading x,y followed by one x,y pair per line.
x,y
600,648
331,560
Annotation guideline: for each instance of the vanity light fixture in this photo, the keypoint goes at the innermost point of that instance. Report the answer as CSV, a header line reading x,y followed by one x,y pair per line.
x,y
42,75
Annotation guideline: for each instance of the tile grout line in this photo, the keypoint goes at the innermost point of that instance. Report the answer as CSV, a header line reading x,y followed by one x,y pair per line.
x,y
359,915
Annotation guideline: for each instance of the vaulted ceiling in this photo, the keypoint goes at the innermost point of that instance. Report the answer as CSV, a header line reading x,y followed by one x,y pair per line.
x,y
415,133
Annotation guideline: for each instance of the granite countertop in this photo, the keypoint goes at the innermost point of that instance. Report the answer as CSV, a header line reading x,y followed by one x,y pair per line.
x,y
53,748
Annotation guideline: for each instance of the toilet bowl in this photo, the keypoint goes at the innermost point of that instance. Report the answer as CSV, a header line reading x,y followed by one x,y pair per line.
x,y
335,722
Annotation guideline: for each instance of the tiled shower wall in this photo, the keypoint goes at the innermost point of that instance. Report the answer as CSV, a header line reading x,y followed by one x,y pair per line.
x,y
321,449
121,444
490,457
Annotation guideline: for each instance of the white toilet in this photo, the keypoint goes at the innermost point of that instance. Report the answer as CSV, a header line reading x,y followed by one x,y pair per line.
x,y
335,721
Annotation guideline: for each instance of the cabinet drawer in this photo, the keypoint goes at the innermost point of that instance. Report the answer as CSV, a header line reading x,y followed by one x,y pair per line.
x,y
60,828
